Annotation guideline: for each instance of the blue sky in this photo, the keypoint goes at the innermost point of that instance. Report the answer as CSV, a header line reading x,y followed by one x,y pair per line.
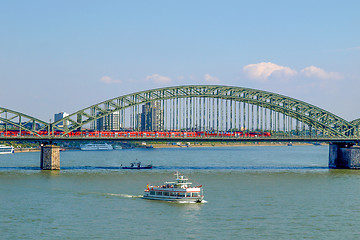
x,y
67,55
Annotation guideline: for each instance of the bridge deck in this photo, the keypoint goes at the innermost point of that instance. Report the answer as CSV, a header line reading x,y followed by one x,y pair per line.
x,y
182,139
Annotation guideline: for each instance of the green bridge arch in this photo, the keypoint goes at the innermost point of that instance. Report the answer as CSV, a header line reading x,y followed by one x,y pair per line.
x,y
319,119
356,122
21,121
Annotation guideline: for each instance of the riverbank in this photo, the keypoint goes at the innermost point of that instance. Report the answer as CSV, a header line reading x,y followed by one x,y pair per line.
x,y
167,145
159,145
18,150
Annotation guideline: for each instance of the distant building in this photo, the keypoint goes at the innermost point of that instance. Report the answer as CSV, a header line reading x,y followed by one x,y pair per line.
x,y
28,125
138,122
110,122
152,117
59,116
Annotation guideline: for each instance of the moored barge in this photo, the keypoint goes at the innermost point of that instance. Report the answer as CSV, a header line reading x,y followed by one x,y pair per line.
x,y
6,149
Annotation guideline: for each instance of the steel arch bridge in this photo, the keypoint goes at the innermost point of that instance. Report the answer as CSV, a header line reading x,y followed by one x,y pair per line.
x,y
356,122
198,107
12,119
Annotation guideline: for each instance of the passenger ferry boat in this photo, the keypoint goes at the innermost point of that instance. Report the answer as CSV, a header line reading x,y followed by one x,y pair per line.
x,y
96,147
6,149
178,191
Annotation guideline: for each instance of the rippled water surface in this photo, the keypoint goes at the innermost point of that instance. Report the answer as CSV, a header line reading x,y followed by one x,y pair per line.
x,y
259,192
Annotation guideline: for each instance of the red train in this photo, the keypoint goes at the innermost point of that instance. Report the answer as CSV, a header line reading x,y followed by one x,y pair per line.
x,y
160,134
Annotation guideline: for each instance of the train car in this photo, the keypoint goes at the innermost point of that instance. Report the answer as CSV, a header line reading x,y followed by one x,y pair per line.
x,y
114,134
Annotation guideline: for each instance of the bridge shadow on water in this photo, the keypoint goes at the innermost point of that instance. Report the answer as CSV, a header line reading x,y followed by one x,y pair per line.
x,y
19,168
175,168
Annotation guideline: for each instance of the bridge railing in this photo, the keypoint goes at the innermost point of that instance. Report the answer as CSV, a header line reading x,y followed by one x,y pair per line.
x,y
174,136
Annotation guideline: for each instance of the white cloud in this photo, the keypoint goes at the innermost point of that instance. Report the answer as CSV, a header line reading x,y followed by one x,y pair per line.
x,y
156,78
352,49
109,80
262,71
211,79
313,71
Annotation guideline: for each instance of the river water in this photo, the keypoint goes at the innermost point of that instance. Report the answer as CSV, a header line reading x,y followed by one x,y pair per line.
x,y
255,192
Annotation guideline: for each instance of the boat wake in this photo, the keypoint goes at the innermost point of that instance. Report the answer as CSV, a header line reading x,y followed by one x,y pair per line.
x,y
120,195
123,195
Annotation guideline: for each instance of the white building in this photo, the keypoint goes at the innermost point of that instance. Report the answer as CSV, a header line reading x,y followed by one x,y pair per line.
x,y
110,122
58,116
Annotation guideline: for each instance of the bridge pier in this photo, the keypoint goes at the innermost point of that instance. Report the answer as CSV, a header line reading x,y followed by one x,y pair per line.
x,y
344,155
50,157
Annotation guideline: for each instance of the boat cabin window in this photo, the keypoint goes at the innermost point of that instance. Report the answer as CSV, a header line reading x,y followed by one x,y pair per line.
x,y
181,194
152,192
188,194
165,193
159,193
195,194
172,194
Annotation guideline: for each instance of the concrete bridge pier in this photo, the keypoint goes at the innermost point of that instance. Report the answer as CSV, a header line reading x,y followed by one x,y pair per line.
x,y
50,157
344,155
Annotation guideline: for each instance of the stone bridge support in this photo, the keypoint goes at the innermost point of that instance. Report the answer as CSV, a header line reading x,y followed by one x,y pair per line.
x,y
344,155
50,157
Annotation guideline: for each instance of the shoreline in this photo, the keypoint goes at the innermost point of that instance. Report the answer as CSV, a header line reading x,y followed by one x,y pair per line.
x,y
230,145
20,150
165,145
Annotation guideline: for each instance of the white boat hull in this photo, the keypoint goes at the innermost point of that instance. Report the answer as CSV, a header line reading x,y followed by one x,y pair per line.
x,y
6,152
176,199
96,147
6,149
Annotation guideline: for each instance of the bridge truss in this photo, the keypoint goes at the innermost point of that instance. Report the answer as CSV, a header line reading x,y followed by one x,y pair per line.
x,y
197,108
214,108
10,119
